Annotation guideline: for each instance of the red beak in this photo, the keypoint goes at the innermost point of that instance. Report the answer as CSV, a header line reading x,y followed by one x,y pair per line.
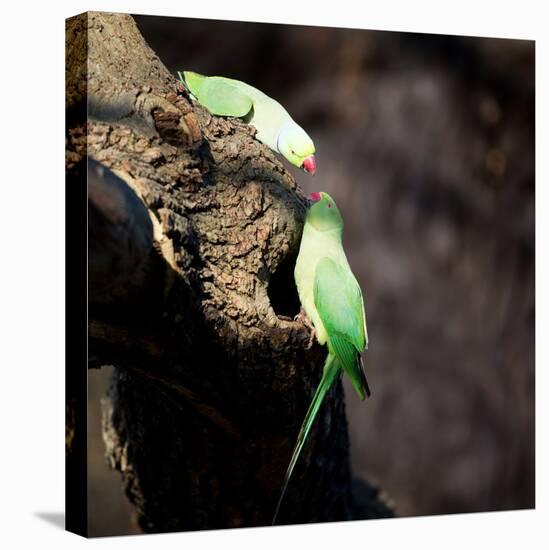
x,y
315,197
309,165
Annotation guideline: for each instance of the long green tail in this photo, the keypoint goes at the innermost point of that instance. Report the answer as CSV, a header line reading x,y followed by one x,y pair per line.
x,y
332,369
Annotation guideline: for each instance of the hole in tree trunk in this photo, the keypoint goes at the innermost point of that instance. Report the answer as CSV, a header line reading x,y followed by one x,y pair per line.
x,y
282,290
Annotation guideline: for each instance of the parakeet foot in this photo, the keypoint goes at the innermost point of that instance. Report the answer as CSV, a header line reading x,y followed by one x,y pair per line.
x,y
302,318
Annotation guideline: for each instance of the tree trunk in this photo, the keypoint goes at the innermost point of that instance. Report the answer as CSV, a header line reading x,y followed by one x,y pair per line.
x,y
194,227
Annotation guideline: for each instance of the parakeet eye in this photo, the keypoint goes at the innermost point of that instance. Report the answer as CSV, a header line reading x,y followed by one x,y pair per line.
x,y
329,205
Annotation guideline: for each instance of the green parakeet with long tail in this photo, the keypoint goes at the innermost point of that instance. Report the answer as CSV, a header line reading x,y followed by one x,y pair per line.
x,y
275,127
332,300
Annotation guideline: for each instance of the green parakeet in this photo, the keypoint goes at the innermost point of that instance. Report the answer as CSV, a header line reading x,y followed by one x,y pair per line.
x,y
275,127
332,299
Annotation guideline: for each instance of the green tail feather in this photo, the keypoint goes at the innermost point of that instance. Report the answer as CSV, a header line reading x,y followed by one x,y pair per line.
x,y
331,372
365,386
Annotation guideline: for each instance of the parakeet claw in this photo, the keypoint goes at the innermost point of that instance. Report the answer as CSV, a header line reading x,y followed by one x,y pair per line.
x,y
302,318
312,338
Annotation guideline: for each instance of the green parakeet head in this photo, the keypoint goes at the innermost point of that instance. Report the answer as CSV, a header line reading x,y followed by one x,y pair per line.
x,y
324,214
297,147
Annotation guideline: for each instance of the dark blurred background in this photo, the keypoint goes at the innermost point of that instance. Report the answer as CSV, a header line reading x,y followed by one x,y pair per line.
x,y
427,144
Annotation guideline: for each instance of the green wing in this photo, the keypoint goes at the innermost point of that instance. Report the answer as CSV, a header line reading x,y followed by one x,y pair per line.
x,y
339,303
221,96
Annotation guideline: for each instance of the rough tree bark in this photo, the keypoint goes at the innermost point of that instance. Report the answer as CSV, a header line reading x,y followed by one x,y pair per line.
x,y
194,228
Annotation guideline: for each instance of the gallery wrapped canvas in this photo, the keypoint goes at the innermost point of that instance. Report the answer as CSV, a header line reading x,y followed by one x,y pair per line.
x,y
256,211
